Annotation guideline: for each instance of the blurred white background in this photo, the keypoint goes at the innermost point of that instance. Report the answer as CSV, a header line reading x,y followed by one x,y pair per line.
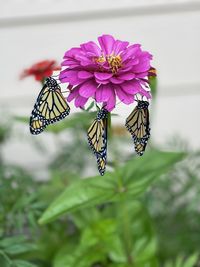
x,y
44,29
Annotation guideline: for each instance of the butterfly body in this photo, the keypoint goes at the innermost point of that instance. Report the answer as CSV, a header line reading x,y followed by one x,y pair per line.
x,y
50,107
137,124
97,139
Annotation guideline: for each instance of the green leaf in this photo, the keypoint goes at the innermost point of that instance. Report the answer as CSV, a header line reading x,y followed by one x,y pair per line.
x,y
77,256
99,232
116,250
136,233
9,241
140,172
81,194
21,263
182,262
85,217
16,249
118,265
16,245
4,260
132,179
191,261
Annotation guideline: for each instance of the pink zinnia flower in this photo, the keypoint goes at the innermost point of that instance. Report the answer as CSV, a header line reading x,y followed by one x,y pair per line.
x,y
102,72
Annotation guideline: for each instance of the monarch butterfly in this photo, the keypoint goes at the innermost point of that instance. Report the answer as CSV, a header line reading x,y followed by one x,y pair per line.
x,y
97,139
50,107
137,124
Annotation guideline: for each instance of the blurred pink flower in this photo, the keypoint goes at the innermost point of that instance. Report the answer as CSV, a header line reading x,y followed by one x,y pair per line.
x,y
114,68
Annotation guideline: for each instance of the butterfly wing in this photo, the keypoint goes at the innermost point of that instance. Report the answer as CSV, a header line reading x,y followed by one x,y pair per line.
x,y
137,124
95,136
97,139
140,147
50,105
37,124
102,156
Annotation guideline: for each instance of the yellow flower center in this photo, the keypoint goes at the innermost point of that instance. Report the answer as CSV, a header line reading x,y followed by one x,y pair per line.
x,y
100,59
115,62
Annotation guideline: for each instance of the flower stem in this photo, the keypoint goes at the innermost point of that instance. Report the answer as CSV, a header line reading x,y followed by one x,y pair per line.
x,y
126,229
124,223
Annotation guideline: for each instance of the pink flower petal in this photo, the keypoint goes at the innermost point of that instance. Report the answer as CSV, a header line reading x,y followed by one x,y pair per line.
x,y
119,46
84,60
87,89
92,48
73,94
142,67
123,96
84,74
132,62
124,69
102,75
72,52
110,103
127,76
80,101
106,42
131,87
135,87
116,80
70,76
131,51
141,74
145,93
101,82
103,93
68,62
146,55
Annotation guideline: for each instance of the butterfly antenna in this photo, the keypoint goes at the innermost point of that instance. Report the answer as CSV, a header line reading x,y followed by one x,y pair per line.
x,y
98,108
136,98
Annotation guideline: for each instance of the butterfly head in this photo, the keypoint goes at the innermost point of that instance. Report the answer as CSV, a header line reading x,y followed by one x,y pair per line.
x,y
142,104
51,82
102,114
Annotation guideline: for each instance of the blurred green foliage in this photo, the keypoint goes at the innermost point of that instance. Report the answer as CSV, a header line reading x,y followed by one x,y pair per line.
x,y
144,212
4,132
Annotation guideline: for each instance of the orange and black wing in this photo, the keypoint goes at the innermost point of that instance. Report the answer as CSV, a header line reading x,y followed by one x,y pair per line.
x,y
97,139
37,124
50,105
137,124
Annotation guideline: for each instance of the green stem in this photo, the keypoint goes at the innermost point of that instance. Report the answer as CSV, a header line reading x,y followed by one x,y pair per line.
x,y
126,229
122,208
125,221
